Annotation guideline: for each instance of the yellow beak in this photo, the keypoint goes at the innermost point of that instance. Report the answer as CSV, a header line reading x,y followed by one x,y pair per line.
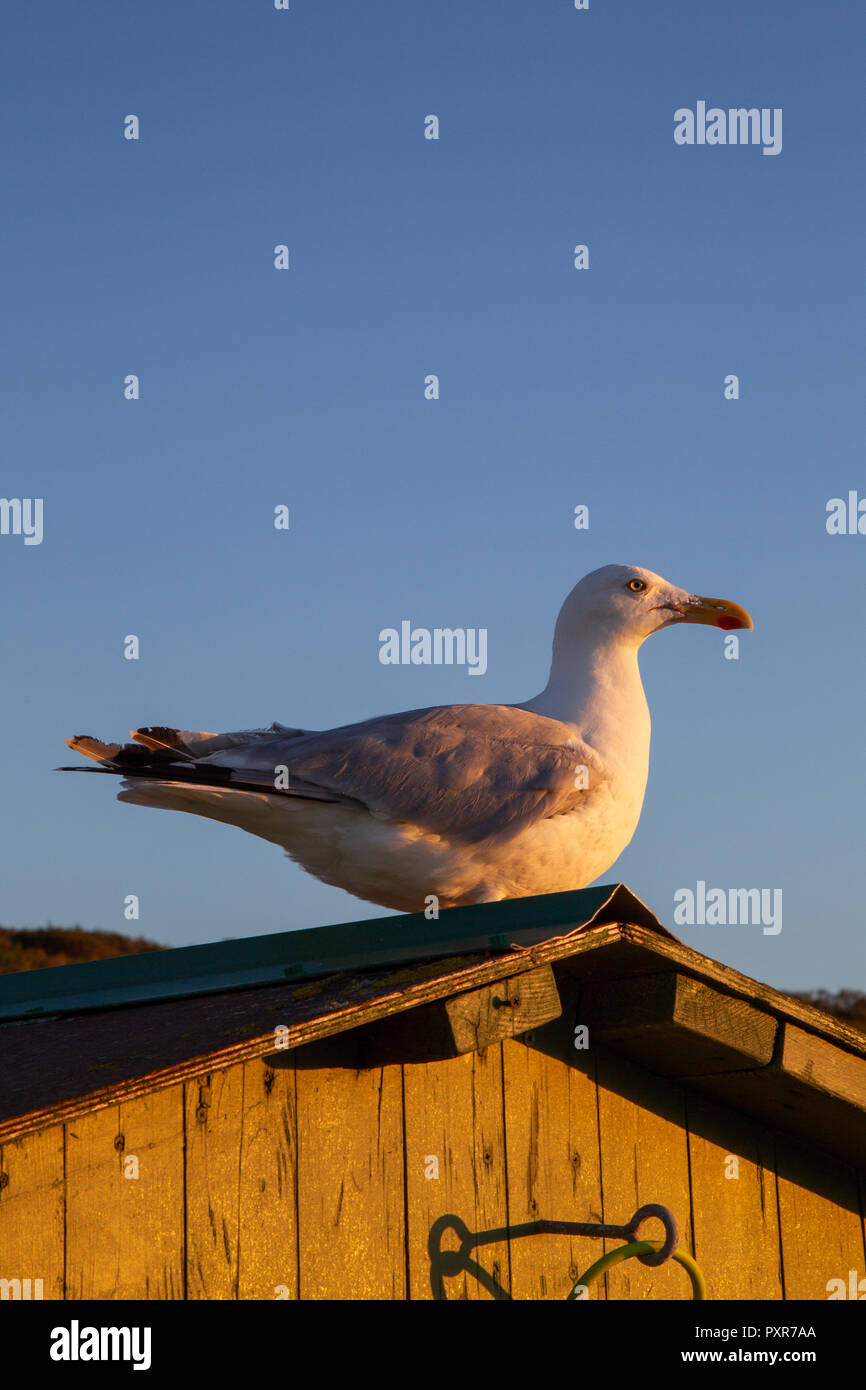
x,y
714,612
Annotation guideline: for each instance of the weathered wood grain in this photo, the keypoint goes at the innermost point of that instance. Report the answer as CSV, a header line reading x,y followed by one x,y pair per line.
x,y
32,1211
268,1249
644,1158
554,1167
455,1163
351,1230
734,1205
480,1017
214,1120
125,1233
821,1066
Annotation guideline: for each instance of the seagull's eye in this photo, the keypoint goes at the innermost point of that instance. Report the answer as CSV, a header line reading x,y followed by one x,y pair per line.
x,y
636,585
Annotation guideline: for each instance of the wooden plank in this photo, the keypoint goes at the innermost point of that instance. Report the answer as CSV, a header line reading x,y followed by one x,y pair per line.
x,y
484,1016
821,1225
32,1203
678,1026
214,1117
268,1253
92,1184
644,1159
820,1066
455,1164
351,1230
466,1022
152,1204
734,1207
124,1184
554,1166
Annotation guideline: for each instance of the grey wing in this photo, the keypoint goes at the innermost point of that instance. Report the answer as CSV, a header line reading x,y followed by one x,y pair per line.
x,y
465,771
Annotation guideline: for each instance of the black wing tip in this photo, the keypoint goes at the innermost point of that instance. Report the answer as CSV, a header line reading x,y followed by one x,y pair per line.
x,y
77,768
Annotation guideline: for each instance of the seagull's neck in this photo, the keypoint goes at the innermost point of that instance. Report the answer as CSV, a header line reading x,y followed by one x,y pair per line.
x,y
598,688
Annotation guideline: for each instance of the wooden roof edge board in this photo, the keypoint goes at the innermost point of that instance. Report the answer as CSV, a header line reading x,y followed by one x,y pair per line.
x,y
185,971
680,1025
818,1065
724,977
667,950
410,996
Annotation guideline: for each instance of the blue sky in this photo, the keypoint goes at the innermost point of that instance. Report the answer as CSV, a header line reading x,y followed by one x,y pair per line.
x,y
306,387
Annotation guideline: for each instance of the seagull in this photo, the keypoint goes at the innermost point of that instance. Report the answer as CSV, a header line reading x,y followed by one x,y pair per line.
x,y
456,804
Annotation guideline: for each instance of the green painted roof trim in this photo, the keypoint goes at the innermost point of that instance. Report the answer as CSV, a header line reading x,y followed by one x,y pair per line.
x,y
272,959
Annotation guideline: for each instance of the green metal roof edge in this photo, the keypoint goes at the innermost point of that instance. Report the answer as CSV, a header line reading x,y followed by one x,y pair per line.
x,y
183,971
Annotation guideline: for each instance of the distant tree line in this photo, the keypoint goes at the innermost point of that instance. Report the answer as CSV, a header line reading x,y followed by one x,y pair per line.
x,y
32,948
846,1004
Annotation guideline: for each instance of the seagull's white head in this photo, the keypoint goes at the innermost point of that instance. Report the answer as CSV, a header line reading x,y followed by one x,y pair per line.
x,y
624,604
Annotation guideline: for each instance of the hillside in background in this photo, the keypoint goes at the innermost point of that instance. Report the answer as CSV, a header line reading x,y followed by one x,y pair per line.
x,y
31,948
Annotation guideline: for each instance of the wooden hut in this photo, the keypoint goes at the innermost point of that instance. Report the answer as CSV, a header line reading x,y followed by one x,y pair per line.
x,y
394,1109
